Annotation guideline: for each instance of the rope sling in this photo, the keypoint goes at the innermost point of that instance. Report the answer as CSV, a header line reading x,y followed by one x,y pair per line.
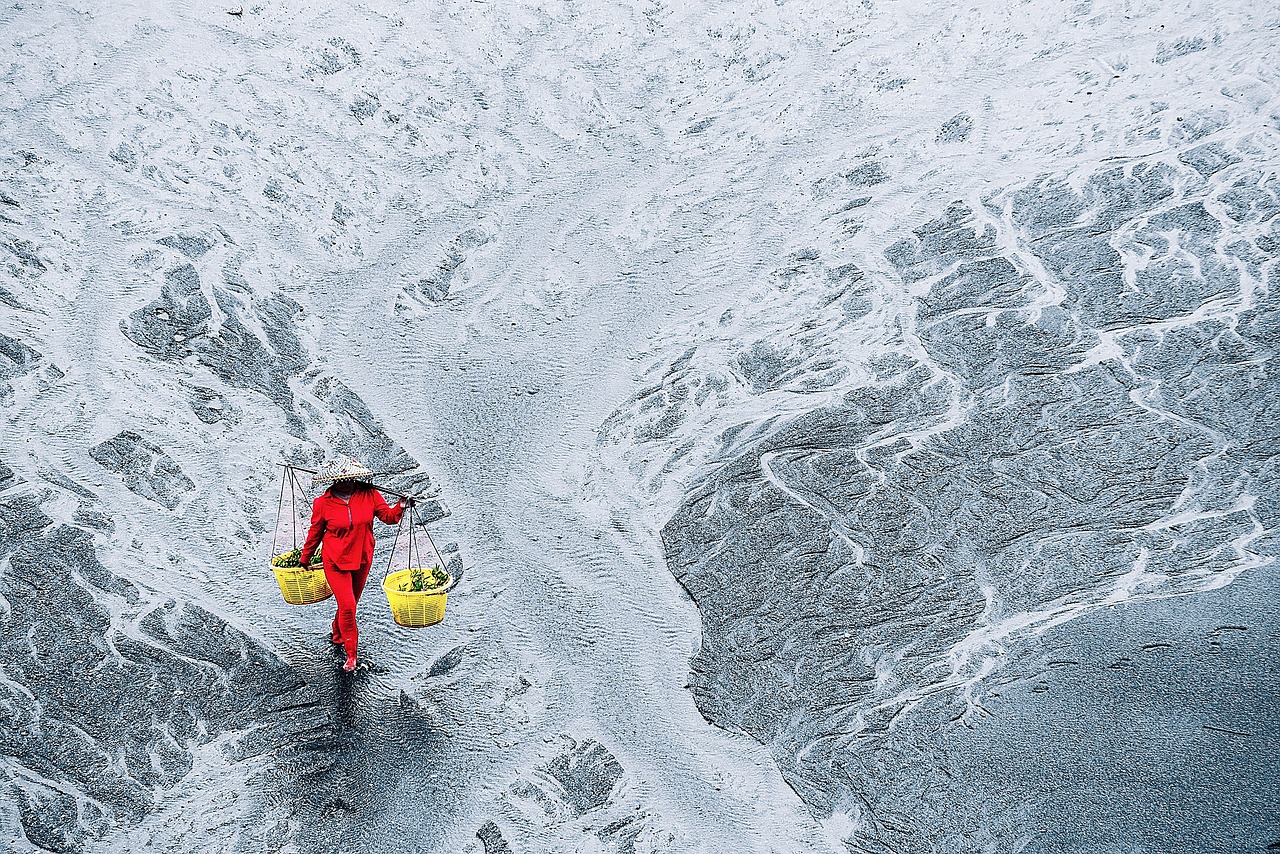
x,y
411,608
300,585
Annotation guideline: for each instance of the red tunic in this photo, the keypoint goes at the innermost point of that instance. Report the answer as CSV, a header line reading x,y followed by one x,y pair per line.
x,y
347,528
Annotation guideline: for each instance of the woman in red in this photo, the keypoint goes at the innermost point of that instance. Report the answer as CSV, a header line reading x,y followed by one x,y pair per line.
x,y
342,517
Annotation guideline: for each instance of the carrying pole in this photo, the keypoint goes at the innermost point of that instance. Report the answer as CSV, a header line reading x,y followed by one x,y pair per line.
x,y
395,493
374,485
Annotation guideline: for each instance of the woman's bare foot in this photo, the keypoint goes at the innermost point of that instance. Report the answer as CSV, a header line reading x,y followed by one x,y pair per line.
x,y
350,664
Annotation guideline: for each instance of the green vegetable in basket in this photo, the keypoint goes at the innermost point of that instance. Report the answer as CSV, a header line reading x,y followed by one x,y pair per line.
x,y
422,580
292,560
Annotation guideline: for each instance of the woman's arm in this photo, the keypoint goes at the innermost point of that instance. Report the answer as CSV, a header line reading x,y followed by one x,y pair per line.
x,y
390,515
313,535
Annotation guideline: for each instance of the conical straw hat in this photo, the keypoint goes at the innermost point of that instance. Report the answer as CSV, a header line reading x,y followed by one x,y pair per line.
x,y
351,469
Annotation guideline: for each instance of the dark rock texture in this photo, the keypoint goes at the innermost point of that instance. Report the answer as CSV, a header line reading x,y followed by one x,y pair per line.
x,y
207,404
1098,425
108,692
491,838
90,517
576,789
447,662
1169,51
27,256
190,245
178,324
586,773
145,468
435,286
16,360
956,129
1148,726
7,476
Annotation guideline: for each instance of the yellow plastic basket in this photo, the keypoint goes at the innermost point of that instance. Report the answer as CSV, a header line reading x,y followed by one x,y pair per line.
x,y
415,609
302,586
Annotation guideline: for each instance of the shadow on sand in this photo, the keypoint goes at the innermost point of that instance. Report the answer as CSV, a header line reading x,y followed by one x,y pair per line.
x,y
366,769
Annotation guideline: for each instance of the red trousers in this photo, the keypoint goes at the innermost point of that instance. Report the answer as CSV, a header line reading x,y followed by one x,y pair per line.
x,y
346,587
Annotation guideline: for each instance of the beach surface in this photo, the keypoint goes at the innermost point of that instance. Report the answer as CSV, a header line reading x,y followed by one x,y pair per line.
x,y
855,425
